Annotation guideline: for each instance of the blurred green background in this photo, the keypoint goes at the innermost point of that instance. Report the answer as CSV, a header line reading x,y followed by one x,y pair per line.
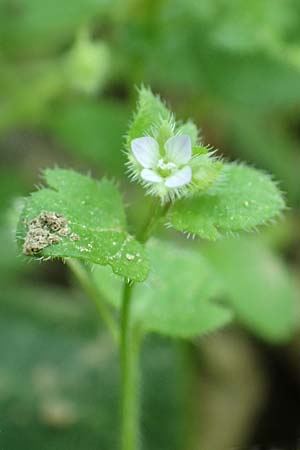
x,y
68,71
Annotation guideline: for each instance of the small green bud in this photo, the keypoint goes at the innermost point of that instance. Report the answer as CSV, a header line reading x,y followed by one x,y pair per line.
x,y
87,64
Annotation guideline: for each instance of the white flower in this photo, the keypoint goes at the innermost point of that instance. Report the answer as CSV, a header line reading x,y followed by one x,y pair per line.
x,y
172,169
169,170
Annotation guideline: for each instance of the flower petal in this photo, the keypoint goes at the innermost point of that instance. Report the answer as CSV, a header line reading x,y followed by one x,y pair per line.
x,y
145,151
180,178
150,175
179,149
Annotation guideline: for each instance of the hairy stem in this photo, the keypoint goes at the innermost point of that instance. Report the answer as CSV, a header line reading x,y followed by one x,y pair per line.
x,y
157,212
130,345
91,290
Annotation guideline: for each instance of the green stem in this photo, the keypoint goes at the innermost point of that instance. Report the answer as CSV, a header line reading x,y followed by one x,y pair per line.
x,y
157,211
129,350
91,290
130,345
190,396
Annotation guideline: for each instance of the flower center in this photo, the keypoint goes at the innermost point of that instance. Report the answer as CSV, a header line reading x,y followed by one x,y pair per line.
x,y
165,168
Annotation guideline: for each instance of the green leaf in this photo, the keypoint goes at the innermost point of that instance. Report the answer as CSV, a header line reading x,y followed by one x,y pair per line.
x,y
96,223
150,111
245,199
258,286
176,298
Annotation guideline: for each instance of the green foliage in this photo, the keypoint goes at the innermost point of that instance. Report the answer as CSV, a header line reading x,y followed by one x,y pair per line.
x,y
257,286
85,129
260,27
150,112
245,199
235,71
96,219
277,150
39,28
153,118
176,299
59,370
88,64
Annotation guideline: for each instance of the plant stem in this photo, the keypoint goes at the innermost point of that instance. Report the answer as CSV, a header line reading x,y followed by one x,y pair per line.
x,y
190,417
129,350
130,346
157,211
91,290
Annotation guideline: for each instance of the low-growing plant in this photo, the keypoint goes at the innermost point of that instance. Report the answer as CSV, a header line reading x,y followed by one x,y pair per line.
x,y
152,285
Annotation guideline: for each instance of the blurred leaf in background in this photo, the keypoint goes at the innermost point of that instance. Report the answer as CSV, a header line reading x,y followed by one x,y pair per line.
x,y
257,286
59,376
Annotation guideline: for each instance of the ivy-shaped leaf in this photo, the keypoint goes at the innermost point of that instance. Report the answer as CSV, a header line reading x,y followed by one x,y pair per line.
x,y
79,217
245,199
257,286
176,299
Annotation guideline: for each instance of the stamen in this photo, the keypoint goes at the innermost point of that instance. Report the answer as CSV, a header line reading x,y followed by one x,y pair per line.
x,y
165,165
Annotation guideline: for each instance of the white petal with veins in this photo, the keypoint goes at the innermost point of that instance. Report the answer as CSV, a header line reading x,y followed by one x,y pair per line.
x,y
179,149
150,175
180,178
145,151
